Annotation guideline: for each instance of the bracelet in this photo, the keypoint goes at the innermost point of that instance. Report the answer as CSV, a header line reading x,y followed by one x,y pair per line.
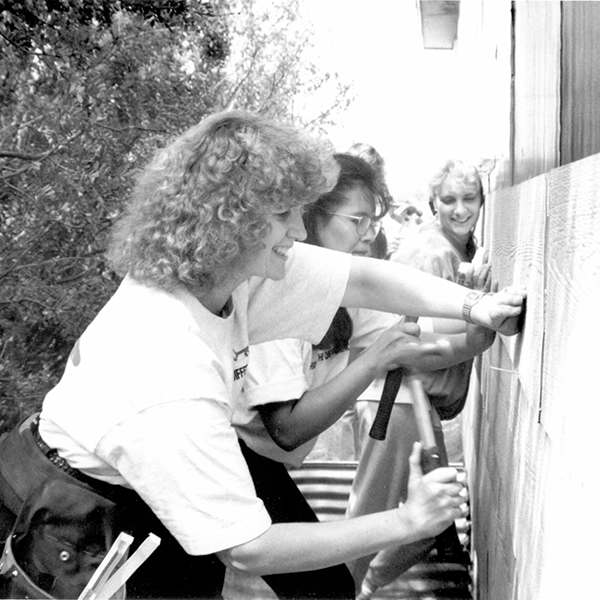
x,y
471,299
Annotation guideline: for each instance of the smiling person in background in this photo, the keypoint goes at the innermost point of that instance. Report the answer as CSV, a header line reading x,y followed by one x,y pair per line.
x,y
446,247
456,198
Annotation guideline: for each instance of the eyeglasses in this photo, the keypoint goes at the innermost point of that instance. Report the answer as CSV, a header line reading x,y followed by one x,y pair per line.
x,y
363,224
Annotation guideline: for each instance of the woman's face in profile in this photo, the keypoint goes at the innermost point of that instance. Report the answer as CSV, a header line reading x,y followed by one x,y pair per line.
x,y
458,205
341,232
284,228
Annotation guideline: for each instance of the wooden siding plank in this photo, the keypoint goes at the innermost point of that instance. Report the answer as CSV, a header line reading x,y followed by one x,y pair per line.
x,y
516,230
571,400
573,298
534,451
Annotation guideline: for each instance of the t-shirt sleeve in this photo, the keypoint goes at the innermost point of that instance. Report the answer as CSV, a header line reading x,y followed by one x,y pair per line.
x,y
302,304
368,325
184,460
276,372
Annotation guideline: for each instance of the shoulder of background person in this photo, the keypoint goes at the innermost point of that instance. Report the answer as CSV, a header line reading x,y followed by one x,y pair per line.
x,y
430,251
429,240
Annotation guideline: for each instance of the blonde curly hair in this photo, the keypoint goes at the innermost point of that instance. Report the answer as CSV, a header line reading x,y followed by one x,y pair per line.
x,y
208,196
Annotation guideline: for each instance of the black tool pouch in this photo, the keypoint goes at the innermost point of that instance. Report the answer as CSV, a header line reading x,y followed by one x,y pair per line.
x,y
63,528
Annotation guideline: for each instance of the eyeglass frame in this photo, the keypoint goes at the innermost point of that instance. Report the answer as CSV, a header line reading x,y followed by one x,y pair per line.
x,y
373,223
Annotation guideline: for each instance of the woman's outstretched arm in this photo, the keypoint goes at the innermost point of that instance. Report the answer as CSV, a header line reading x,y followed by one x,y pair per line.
x,y
397,288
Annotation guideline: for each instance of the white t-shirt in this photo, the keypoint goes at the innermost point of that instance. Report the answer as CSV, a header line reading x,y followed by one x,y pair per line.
x,y
150,388
284,370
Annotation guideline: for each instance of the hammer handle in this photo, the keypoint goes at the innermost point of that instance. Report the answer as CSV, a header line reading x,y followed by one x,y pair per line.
x,y
447,543
393,381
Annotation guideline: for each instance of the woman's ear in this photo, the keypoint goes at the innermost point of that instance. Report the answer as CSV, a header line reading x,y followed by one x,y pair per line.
x,y
432,205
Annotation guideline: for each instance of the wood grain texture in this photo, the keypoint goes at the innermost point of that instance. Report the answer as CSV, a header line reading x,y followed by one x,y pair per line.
x,y
573,295
571,401
517,239
532,422
532,457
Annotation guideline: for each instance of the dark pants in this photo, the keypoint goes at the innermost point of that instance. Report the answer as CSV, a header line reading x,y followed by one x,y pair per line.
x,y
53,499
286,504
170,572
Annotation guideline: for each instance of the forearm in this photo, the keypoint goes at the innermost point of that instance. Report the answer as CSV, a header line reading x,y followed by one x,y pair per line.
x,y
448,326
294,423
294,547
433,502
397,288
457,348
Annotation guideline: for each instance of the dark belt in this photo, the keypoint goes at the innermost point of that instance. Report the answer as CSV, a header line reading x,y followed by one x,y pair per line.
x,y
116,493
52,454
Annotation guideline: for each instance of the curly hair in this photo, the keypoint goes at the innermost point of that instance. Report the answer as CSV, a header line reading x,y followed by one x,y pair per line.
x,y
207,198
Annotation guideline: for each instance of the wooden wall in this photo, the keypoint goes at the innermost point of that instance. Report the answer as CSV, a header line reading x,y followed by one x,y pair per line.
x,y
580,80
536,84
531,427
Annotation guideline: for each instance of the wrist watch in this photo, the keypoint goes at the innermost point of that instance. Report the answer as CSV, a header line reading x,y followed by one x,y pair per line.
x,y
471,299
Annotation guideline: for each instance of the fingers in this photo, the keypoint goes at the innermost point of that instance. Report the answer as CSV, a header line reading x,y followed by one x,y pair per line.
x,y
482,278
500,311
451,495
511,305
414,354
412,329
510,326
422,349
487,286
514,294
401,346
482,256
415,461
447,475
435,499
464,275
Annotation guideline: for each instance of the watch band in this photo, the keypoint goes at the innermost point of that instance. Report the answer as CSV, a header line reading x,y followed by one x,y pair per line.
x,y
471,299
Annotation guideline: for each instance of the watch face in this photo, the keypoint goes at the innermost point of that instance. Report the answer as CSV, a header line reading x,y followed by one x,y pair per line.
x,y
470,299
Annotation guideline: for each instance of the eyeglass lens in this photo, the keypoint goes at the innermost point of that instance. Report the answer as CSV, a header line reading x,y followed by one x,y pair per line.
x,y
365,223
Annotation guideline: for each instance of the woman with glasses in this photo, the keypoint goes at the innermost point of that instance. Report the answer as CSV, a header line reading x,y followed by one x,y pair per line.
x,y
295,391
401,214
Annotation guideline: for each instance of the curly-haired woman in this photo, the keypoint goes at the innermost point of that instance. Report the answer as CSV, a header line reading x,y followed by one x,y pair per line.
x,y
144,407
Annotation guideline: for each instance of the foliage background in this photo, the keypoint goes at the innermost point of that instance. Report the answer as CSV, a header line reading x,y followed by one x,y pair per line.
x,y
89,89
